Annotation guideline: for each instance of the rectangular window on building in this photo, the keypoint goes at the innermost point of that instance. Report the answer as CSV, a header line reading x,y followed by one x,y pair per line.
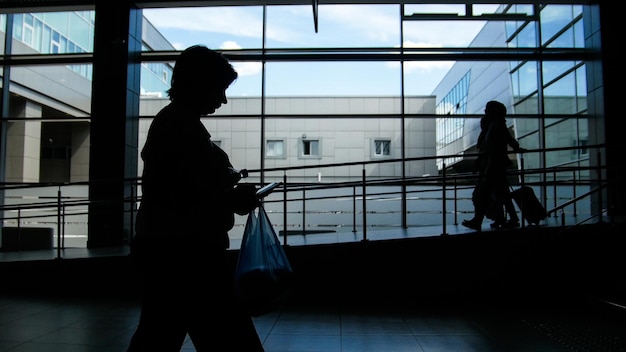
x,y
54,46
310,148
46,39
381,148
275,148
29,24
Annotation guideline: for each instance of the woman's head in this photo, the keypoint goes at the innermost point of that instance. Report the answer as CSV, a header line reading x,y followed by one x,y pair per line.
x,y
495,108
201,76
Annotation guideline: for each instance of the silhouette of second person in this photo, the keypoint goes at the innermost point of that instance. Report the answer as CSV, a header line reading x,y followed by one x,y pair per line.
x,y
492,188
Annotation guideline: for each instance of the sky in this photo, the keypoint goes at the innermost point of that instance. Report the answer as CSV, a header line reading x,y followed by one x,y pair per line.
x,y
352,26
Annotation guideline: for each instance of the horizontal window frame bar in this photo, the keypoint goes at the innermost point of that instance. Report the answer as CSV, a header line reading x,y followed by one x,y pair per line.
x,y
334,54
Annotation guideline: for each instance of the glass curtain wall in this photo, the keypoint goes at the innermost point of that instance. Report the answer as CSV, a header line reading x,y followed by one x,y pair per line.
x,y
357,83
373,81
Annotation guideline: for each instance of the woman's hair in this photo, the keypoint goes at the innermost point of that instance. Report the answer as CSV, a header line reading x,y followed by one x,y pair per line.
x,y
495,108
198,66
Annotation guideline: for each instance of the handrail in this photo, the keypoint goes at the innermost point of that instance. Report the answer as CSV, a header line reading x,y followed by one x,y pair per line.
x,y
576,199
63,207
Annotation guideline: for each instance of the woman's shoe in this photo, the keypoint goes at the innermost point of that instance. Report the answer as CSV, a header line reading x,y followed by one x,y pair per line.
x,y
472,224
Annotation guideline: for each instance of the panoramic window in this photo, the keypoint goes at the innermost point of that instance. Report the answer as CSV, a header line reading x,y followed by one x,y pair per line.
x,y
369,80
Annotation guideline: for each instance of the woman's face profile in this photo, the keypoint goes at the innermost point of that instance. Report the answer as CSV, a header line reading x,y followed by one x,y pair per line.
x,y
212,99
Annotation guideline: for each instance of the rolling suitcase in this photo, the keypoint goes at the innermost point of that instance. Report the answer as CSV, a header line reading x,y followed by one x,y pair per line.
x,y
532,209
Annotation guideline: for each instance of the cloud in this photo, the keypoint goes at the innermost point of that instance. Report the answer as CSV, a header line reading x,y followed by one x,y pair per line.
x,y
242,68
378,22
294,24
421,66
207,19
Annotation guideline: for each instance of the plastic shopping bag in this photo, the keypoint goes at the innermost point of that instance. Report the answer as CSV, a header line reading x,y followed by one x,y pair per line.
x,y
263,277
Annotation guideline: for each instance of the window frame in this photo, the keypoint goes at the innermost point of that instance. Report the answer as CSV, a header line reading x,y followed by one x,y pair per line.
x,y
301,148
375,154
283,153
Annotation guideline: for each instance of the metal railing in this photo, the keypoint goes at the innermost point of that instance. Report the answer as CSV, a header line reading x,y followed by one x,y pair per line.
x,y
353,205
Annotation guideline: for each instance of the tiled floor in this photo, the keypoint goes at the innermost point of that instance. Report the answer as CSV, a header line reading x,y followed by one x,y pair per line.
x,y
39,323
68,325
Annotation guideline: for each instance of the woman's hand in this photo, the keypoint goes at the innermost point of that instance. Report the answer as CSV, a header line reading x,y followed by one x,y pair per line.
x,y
245,198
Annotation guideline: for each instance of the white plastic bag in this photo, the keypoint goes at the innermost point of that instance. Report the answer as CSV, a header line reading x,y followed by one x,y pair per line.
x,y
263,277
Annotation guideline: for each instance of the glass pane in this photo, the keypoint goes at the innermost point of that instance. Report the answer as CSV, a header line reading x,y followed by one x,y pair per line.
x,y
581,88
525,80
525,127
61,89
248,83
379,147
220,27
554,18
562,134
53,32
530,105
56,150
334,105
554,69
275,148
422,77
438,34
44,214
332,79
560,96
313,148
339,26
526,37
422,9
564,40
156,79
3,31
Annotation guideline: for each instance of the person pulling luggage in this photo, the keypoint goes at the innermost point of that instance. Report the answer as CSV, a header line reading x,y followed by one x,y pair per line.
x,y
492,185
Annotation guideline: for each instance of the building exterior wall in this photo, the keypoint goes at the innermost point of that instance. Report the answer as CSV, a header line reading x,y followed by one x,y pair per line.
x,y
497,80
342,139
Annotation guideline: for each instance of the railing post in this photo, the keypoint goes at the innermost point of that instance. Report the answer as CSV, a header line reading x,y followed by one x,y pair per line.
x,y
132,212
456,201
575,182
443,197
554,191
285,208
364,206
63,226
599,172
522,183
353,208
59,223
404,202
303,211
19,228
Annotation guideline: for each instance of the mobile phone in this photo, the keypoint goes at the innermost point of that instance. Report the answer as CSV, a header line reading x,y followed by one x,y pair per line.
x,y
267,189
